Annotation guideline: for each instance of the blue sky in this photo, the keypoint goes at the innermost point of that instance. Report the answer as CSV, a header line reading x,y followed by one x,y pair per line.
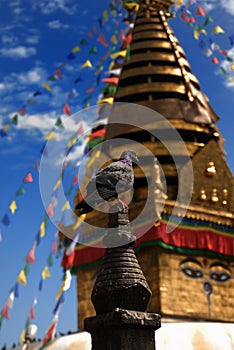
x,y
36,37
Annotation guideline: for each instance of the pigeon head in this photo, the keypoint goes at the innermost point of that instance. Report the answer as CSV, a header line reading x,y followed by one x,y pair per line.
x,y
129,154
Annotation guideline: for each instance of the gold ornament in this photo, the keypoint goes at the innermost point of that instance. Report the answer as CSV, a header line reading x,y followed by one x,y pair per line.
x,y
203,196
210,170
214,196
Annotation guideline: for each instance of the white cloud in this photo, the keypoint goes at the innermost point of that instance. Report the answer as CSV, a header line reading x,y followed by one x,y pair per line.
x,y
9,38
33,76
18,52
50,6
32,39
56,24
227,5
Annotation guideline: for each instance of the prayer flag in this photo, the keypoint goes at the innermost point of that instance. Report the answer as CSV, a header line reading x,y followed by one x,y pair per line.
x,y
21,279
28,178
46,86
66,109
13,207
76,49
42,229
22,111
215,60
87,63
101,39
45,273
217,30
200,11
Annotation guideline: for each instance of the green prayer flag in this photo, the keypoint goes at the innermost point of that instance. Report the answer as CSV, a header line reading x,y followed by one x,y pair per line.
x,y
59,123
207,21
46,219
26,268
229,59
27,323
52,78
1,319
50,260
69,191
93,50
20,191
222,70
83,42
14,120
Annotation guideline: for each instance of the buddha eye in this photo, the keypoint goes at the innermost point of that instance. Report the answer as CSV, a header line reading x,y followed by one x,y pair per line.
x,y
220,277
191,272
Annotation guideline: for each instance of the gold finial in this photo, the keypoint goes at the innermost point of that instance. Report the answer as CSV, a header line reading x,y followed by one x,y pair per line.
x,y
214,196
203,196
225,195
210,170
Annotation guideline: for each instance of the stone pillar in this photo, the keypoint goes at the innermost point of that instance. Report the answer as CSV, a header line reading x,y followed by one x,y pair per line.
x,y
121,294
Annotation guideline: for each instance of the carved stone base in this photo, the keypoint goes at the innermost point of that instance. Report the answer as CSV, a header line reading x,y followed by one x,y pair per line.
x,y
123,330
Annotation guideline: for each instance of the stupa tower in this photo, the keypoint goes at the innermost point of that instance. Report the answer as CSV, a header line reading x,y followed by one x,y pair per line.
x,y
189,270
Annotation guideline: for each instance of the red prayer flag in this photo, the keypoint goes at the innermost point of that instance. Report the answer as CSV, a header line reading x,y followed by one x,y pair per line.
x,y
127,40
80,129
90,90
215,60
54,246
50,333
90,35
184,17
224,52
30,258
69,259
113,80
58,73
66,109
28,178
200,11
22,111
31,313
75,180
101,39
98,133
50,210
5,311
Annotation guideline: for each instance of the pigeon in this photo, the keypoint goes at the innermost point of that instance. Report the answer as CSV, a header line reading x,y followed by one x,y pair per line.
x,y
116,178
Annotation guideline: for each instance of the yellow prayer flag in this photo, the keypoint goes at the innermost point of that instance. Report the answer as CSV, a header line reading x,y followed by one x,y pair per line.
x,y
196,34
45,273
22,337
76,49
50,136
232,67
114,39
79,222
58,183
105,15
119,53
21,279
106,100
179,2
42,229
66,206
87,64
72,142
6,127
133,6
203,31
112,64
13,207
87,106
230,79
217,30
46,86
59,293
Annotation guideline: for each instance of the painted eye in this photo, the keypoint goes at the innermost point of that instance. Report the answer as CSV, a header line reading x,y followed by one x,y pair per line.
x,y
220,277
191,272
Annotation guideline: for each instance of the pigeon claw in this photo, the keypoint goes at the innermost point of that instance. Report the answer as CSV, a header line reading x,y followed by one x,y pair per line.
x,y
124,205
